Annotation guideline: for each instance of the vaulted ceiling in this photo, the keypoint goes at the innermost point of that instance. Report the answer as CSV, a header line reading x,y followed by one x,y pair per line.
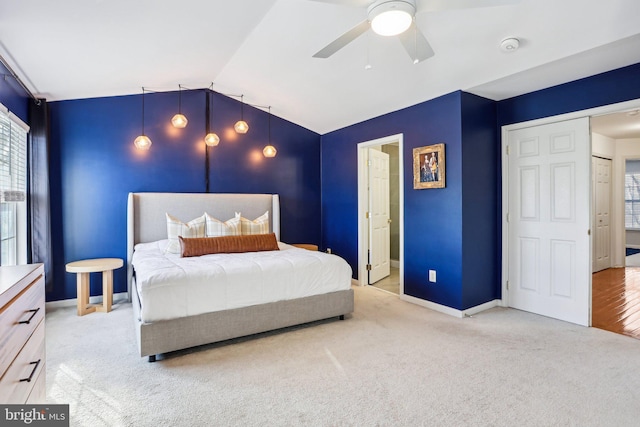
x,y
68,49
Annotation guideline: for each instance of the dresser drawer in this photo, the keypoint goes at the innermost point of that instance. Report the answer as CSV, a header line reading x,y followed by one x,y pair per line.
x,y
39,392
28,364
19,319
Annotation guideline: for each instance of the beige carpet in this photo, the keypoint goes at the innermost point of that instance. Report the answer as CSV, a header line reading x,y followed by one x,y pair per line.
x,y
391,364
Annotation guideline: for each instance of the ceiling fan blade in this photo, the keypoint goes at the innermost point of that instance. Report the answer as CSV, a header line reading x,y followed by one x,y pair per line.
x,y
416,44
343,40
355,3
431,5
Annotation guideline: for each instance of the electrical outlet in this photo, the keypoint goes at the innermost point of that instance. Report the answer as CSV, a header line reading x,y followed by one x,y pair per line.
x,y
432,276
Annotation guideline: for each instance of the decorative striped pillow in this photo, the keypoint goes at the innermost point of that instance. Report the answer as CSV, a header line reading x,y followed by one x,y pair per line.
x,y
227,244
175,228
217,228
259,225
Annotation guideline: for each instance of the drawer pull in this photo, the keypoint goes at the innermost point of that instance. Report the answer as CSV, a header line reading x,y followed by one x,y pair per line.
x,y
32,372
26,322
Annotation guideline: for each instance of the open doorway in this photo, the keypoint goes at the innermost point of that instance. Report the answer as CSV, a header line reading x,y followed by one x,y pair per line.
x,y
616,284
525,250
380,214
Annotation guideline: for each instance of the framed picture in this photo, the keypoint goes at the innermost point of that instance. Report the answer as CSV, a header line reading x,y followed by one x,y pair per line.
x,y
428,167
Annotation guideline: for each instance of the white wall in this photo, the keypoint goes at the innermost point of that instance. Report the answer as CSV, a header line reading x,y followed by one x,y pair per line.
x,y
632,239
602,146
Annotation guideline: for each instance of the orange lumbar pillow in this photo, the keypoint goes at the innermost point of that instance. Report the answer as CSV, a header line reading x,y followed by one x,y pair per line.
x,y
198,246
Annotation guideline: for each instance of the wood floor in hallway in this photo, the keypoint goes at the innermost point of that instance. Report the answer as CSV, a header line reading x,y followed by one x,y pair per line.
x,y
616,300
391,283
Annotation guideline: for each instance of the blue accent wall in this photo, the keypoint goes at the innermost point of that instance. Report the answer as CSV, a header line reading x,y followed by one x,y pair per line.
x,y
622,84
480,216
455,231
94,165
619,85
450,230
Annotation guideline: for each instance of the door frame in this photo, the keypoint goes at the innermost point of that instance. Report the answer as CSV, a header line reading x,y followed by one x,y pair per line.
x,y
362,204
596,111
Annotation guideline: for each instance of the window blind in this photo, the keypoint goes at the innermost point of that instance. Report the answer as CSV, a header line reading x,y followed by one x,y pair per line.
x,y
13,157
632,200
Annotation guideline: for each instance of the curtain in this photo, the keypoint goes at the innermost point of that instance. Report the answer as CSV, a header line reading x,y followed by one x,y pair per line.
x,y
38,207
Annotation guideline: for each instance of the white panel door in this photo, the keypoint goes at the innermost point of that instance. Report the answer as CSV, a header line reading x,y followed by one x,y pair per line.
x,y
379,216
601,171
549,212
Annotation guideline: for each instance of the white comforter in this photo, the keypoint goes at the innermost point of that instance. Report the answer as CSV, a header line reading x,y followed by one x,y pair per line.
x,y
171,287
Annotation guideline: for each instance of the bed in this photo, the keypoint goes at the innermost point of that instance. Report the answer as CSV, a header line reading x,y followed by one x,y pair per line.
x,y
224,301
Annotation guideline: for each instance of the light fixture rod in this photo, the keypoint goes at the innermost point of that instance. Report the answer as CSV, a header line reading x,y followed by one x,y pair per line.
x,y
142,110
206,146
20,82
269,124
264,107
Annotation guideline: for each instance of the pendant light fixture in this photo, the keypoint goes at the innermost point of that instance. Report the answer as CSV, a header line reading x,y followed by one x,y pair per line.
x,y
211,139
269,150
179,120
142,142
241,126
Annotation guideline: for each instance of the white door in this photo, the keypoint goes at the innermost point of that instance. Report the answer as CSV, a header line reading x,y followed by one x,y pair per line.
x,y
601,171
548,214
379,216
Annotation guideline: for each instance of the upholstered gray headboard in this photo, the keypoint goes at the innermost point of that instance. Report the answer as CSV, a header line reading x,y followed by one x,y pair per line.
x,y
146,220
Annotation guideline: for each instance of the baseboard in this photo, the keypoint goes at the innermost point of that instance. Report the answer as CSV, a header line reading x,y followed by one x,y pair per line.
x,y
443,308
119,297
482,307
448,310
395,263
633,246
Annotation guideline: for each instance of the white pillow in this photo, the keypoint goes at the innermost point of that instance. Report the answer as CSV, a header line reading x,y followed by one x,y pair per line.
x,y
175,228
217,228
259,225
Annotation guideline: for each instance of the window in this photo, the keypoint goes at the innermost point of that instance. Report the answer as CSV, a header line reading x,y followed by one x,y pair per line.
x,y
13,189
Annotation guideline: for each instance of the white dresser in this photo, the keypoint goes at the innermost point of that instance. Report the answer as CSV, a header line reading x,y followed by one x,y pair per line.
x,y
22,348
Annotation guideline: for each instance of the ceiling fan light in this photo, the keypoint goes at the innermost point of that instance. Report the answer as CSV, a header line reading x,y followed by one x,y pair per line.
x,y
241,126
390,18
212,139
179,121
142,142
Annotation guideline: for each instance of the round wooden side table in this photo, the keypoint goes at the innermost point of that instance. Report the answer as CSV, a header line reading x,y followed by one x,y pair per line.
x,y
83,269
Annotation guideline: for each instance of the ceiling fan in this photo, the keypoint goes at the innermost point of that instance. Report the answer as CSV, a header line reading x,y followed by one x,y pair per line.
x,y
397,18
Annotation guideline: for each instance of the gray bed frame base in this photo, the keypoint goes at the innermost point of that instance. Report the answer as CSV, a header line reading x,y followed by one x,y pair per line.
x,y
186,332
146,222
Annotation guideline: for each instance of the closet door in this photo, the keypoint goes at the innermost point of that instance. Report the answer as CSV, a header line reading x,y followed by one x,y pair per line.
x,y
601,171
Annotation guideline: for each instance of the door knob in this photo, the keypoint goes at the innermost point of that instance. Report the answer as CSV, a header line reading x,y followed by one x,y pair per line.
x,y
389,220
